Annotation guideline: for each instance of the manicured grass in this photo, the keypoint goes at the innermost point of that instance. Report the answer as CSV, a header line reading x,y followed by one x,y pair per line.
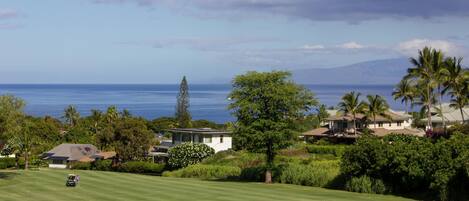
x,y
47,184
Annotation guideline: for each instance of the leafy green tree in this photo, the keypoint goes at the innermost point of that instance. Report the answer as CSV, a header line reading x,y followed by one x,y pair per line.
x,y
112,114
183,115
404,90
80,134
161,124
11,120
375,106
132,139
266,106
186,154
71,115
352,105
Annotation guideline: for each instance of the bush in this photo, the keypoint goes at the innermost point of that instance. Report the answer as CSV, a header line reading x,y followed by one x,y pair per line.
x,y
319,174
336,150
186,154
365,184
7,163
140,167
411,164
81,166
206,172
103,165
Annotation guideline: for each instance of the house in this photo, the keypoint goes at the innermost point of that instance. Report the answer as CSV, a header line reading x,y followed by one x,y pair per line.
x,y
217,139
63,155
450,115
340,125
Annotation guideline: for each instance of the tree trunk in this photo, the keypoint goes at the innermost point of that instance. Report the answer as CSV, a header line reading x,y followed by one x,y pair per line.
x,y
270,161
26,160
441,109
462,114
354,126
17,161
374,120
429,113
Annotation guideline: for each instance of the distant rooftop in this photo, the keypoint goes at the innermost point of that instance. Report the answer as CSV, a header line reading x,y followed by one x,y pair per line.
x,y
198,131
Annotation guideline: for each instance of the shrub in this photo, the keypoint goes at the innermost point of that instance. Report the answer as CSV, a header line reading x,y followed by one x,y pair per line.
x,y
103,165
319,174
206,172
140,167
361,184
80,166
186,154
7,163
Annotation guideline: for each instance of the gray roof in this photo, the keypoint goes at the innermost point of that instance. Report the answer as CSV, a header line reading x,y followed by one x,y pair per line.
x,y
71,152
198,131
450,114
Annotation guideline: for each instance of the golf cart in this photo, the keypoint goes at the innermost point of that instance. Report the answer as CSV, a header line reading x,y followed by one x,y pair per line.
x,y
72,180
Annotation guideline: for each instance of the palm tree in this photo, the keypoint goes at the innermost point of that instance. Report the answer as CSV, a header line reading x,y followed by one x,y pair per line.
x,y
423,71
351,104
71,115
112,114
321,113
457,81
440,75
424,101
404,90
96,116
375,106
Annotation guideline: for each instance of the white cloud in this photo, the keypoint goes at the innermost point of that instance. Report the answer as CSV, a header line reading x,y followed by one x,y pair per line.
x,y
411,47
351,45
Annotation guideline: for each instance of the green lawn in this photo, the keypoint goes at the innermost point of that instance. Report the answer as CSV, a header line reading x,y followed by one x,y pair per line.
x,y
46,184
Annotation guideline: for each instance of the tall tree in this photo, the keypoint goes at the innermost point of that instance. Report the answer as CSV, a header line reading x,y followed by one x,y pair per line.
x,y
375,106
440,75
352,105
424,100
423,71
266,106
11,121
183,115
132,139
457,82
71,115
404,90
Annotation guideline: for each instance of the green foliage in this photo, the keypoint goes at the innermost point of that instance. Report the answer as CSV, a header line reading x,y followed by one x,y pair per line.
x,y
131,139
336,150
319,174
202,123
412,164
71,115
459,129
7,163
159,125
266,106
206,172
365,184
183,115
141,167
81,166
102,165
186,154
79,134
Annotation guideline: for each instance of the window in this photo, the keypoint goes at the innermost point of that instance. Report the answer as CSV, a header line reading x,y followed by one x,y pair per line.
x,y
207,139
186,138
380,124
221,138
399,123
389,124
201,138
57,162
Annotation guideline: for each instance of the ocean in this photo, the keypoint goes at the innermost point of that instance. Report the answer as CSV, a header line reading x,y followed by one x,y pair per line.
x,y
207,101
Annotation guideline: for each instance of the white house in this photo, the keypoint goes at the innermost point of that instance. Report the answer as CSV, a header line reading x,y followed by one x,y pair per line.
x,y
216,139
341,125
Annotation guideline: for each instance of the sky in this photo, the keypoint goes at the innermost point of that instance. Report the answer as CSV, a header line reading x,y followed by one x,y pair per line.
x,y
210,41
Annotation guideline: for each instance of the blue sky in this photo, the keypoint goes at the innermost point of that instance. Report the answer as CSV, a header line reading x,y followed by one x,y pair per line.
x,y
158,41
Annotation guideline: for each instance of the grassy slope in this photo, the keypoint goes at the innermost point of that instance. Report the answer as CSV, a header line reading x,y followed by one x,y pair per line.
x,y
49,185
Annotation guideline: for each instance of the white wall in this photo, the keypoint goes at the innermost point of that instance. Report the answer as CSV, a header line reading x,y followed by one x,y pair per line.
x,y
61,166
215,144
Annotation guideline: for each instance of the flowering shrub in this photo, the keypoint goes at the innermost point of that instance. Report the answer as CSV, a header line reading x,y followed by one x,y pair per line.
x,y
186,154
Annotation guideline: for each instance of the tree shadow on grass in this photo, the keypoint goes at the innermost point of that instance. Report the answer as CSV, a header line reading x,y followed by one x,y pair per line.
x,y
7,175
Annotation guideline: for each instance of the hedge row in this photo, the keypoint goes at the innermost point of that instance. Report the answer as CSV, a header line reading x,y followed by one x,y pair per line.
x,y
131,166
206,172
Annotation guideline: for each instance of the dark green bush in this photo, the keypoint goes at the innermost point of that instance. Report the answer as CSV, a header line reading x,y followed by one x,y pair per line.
x,y
140,167
7,163
408,164
103,165
365,184
206,172
187,154
81,166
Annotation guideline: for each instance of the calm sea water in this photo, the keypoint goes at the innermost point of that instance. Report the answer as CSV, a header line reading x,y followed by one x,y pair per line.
x,y
151,101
